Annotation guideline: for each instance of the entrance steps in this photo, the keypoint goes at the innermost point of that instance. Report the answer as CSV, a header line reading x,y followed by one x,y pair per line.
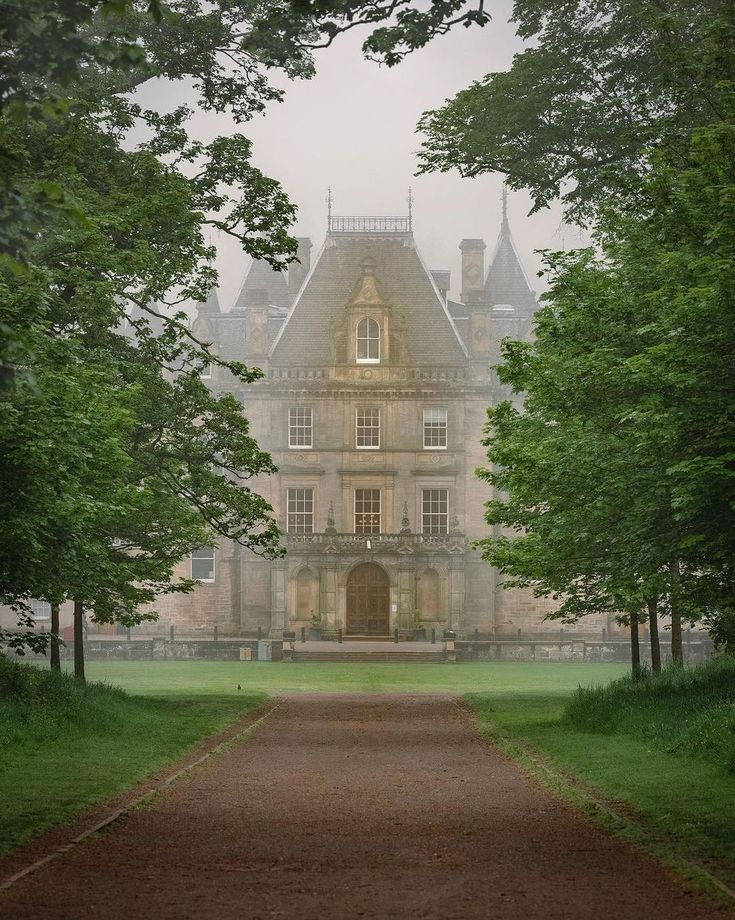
x,y
366,650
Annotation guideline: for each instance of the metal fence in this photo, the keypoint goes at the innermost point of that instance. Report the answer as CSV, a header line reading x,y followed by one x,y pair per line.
x,y
369,224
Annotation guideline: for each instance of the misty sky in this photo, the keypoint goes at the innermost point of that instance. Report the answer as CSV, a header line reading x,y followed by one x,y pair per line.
x,y
353,127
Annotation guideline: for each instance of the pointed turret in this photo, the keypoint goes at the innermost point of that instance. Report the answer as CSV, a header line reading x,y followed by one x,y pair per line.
x,y
211,304
506,282
204,324
262,277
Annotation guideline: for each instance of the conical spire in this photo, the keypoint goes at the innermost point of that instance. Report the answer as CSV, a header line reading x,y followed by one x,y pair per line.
x,y
211,304
262,277
506,282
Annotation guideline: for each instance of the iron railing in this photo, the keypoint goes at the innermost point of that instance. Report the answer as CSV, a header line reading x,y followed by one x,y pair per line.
x,y
369,224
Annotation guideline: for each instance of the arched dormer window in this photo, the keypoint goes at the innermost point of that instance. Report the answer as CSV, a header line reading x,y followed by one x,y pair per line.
x,y
367,343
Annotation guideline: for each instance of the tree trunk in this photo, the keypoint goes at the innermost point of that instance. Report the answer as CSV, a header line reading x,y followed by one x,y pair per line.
x,y
635,649
55,660
677,652
652,603
79,641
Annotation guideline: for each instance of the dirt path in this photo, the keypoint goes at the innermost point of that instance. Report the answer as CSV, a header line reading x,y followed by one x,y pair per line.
x,y
342,807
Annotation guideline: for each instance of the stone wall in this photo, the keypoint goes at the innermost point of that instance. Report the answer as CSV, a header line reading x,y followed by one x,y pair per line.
x,y
610,650
156,649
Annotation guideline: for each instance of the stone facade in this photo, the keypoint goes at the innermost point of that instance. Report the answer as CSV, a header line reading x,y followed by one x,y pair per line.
x,y
373,405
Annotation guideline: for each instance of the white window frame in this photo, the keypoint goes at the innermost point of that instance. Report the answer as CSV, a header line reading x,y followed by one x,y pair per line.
x,y
434,428
368,339
41,610
295,426
379,512
296,498
211,579
427,528
365,427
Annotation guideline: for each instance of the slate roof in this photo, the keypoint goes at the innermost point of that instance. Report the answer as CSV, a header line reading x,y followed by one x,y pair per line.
x,y
459,313
506,282
404,283
261,277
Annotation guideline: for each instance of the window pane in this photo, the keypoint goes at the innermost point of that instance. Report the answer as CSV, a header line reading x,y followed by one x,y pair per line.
x,y
367,510
367,428
300,510
435,427
41,610
435,511
300,427
202,563
368,340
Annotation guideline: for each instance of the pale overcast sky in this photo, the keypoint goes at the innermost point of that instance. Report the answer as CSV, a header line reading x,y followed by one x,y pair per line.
x,y
353,127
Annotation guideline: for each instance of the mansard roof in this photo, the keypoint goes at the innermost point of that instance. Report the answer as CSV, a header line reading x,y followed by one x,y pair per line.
x,y
261,277
506,282
404,283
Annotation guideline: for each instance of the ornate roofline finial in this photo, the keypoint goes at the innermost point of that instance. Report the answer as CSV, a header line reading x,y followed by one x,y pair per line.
x,y
410,208
405,522
329,207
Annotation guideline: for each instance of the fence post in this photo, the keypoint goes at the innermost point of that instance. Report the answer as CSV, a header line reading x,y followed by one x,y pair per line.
x,y
395,634
433,635
303,634
172,632
260,632
339,634
128,634
216,632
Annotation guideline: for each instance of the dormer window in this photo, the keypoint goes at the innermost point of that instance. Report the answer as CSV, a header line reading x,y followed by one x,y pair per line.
x,y
368,341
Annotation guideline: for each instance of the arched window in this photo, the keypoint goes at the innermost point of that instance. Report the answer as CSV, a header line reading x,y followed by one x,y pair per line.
x,y
368,341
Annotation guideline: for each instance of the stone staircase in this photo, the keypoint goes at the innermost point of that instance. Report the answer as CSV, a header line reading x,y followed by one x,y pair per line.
x,y
371,651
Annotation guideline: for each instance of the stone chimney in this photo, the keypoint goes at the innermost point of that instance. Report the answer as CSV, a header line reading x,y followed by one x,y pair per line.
x,y
442,279
256,327
473,268
297,271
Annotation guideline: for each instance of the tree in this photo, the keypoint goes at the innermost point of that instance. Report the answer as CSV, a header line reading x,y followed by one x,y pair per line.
x,y
117,459
602,84
618,472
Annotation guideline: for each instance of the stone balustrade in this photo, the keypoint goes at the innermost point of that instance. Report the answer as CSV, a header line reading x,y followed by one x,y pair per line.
x,y
413,542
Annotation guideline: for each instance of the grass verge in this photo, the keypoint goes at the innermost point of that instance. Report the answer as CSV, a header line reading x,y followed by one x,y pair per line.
x,y
65,747
656,753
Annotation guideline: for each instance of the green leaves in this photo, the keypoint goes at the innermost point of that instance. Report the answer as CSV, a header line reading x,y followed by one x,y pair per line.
x,y
603,83
117,460
622,459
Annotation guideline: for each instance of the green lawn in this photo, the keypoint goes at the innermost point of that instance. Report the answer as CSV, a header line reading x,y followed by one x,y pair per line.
x,y
64,748
682,802
222,677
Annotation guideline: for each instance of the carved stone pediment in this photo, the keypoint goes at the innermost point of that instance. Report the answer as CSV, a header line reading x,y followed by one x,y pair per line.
x,y
366,291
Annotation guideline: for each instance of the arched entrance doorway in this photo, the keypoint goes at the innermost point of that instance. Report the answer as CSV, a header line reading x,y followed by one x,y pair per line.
x,y
368,601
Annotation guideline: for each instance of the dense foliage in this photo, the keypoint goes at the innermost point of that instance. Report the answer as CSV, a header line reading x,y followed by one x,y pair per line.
x,y
117,459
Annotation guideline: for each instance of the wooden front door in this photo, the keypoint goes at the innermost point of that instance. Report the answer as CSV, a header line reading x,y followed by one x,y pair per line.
x,y
368,601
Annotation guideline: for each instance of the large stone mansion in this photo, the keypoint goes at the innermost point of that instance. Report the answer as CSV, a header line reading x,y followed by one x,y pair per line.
x,y
373,405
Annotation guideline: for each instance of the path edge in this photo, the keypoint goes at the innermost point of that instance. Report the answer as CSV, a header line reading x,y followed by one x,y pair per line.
x,y
587,801
132,800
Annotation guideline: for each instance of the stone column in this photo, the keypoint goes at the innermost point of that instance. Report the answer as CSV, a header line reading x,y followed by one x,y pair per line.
x,y
278,598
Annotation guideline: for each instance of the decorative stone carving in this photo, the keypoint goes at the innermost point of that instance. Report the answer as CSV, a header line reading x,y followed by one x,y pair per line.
x,y
405,523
